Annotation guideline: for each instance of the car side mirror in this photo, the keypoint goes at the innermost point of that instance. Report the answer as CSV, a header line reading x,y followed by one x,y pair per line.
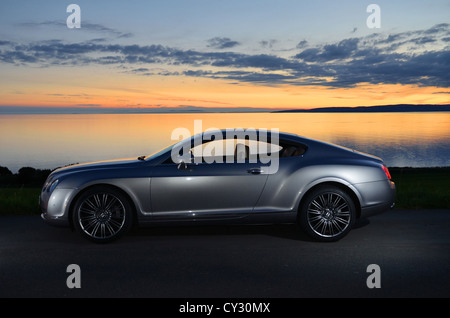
x,y
182,165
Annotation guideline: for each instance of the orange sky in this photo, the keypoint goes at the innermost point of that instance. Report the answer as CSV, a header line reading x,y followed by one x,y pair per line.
x,y
101,87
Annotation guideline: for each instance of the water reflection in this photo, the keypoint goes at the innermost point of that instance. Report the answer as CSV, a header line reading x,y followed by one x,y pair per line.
x,y
48,141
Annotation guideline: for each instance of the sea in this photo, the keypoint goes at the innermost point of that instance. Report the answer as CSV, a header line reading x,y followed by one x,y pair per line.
x,y
46,141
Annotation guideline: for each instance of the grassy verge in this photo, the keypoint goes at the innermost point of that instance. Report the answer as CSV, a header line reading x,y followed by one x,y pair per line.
x,y
15,201
417,188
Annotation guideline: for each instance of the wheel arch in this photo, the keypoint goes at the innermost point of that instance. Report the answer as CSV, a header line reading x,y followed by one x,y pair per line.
x,y
347,188
102,185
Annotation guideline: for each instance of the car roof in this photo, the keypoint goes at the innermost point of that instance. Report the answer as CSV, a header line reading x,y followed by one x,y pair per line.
x,y
230,132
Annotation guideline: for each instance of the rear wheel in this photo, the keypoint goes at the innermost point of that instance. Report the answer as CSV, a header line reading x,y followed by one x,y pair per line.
x,y
327,214
102,214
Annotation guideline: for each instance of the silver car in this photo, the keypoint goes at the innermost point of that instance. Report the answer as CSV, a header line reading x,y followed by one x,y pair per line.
x,y
224,176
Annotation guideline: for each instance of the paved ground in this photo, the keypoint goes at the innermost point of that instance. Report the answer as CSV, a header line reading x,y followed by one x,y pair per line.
x,y
411,248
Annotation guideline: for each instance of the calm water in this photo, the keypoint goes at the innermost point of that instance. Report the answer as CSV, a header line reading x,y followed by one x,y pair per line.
x,y
49,141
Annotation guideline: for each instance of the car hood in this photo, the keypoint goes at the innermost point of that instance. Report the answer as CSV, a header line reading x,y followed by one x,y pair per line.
x,y
107,164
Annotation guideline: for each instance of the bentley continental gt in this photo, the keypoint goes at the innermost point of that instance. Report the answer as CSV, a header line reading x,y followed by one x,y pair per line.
x,y
224,176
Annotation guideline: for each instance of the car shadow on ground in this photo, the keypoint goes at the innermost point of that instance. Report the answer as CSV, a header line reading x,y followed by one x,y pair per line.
x,y
285,231
290,231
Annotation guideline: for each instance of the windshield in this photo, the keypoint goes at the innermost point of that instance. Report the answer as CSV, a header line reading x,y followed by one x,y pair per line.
x,y
158,153
162,151
178,144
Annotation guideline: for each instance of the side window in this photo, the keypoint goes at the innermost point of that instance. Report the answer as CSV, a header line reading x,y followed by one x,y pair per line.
x,y
240,150
212,151
264,150
292,150
233,150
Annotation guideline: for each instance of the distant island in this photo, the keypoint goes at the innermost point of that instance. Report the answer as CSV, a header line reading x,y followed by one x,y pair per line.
x,y
400,108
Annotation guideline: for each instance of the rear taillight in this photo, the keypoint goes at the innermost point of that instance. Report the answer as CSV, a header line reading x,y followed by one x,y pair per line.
x,y
386,171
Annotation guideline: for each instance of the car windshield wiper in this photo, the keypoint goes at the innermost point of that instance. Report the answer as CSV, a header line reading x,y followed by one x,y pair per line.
x,y
141,157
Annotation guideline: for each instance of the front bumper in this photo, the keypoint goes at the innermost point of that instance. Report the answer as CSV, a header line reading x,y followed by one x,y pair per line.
x,y
55,206
55,221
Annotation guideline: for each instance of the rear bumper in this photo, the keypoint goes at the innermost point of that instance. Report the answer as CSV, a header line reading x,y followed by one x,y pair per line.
x,y
377,209
385,200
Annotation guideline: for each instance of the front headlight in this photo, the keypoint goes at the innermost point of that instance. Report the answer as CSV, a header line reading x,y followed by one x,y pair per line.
x,y
47,183
52,186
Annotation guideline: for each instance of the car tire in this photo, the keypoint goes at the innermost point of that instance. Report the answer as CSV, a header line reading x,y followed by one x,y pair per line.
x,y
102,214
327,214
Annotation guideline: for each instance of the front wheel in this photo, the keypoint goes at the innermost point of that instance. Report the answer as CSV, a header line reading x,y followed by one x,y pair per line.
x,y
102,214
327,214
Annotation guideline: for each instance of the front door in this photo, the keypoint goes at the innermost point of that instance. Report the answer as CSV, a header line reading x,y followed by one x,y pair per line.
x,y
206,190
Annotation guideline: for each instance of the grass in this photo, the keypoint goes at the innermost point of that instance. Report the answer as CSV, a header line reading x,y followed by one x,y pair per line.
x,y
420,188
15,201
417,188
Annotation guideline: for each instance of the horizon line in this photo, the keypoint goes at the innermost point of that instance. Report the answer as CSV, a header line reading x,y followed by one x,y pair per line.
x,y
55,110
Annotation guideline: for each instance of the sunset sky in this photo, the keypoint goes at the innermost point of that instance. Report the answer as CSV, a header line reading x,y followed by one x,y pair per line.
x,y
233,54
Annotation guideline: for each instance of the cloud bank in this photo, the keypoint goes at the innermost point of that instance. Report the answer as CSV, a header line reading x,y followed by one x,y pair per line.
x,y
222,43
419,57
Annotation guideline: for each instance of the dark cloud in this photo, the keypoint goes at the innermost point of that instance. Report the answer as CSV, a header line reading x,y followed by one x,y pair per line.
x,y
17,57
394,38
44,23
377,59
262,61
427,69
329,52
309,55
88,105
424,39
244,76
343,49
401,38
268,43
140,70
222,43
302,44
438,28
93,27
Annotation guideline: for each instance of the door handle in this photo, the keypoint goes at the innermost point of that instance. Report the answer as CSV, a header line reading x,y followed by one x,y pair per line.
x,y
254,170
